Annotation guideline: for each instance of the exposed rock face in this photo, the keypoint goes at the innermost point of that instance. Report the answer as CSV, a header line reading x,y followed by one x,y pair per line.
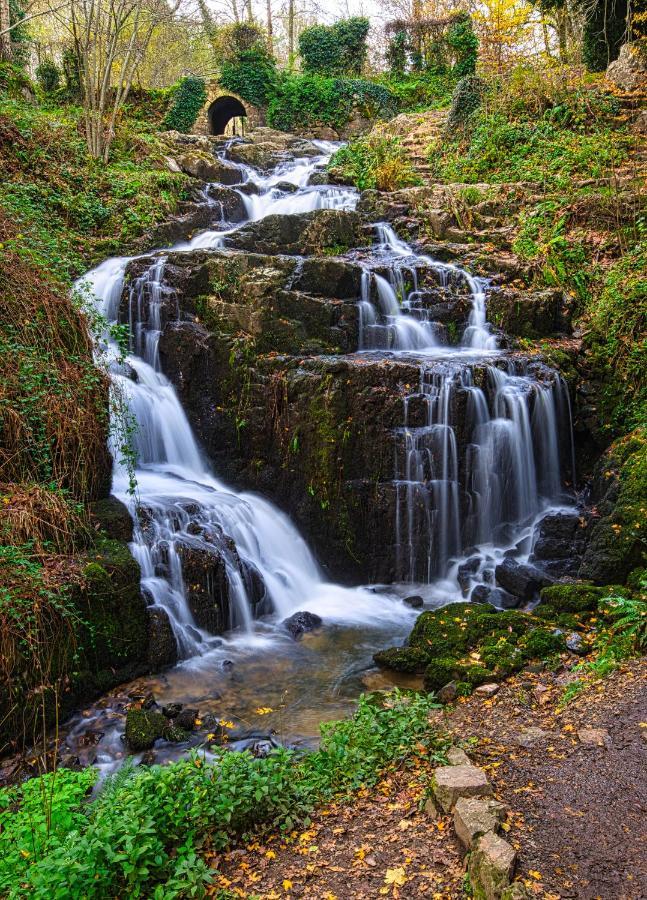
x,y
265,148
629,70
317,232
209,168
162,647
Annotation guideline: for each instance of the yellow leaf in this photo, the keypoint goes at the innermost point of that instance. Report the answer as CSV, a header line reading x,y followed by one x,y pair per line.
x,y
270,854
287,884
264,710
534,874
395,876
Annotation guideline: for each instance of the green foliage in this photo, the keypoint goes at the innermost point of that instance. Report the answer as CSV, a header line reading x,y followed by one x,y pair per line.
x,y
72,74
621,634
251,74
374,161
466,99
49,76
419,91
187,103
464,43
616,340
396,53
141,835
36,815
308,100
338,49
20,36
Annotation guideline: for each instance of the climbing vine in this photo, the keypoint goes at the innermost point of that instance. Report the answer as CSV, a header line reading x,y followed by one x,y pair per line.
x,y
188,101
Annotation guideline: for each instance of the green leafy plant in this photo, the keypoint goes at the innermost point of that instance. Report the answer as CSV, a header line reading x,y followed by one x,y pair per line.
x,y
375,161
49,76
338,49
141,834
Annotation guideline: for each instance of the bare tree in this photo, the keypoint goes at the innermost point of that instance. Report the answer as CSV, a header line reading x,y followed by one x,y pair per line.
x,y
270,27
112,37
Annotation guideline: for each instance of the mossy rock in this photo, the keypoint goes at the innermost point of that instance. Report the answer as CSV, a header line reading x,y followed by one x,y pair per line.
x,y
578,597
541,643
143,728
403,659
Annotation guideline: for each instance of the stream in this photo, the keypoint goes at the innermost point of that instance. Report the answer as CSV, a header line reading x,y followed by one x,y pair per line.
x,y
255,677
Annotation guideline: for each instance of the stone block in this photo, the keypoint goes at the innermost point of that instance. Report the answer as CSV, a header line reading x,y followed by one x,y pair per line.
x,y
491,866
473,818
450,783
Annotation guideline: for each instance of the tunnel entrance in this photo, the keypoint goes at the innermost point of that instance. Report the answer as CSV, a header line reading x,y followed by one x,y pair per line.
x,y
227,116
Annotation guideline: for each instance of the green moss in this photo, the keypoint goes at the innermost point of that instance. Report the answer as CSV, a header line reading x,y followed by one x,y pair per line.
x,y
439,672
143,728
542,643
578,597
403,659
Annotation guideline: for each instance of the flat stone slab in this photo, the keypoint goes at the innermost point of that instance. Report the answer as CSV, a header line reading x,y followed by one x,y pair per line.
x,y
531,736
450,783
594,737
491,866
487,690
473,817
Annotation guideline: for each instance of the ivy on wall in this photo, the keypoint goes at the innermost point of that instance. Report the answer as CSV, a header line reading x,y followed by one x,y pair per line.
x,y
189,99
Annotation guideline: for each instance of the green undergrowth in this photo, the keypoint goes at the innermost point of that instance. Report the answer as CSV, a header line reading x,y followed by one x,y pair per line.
x,y
375,161
142,834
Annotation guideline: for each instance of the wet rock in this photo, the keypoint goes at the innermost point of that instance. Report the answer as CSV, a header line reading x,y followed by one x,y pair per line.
x,y
185,719
318,179
208,168
472,818
172,710
329,277
491,866
465,572
415,601
318,232
287,187
301,623
230,202
450,783
496,597
207,584
527,313
143,728
448,693
521,580
162,646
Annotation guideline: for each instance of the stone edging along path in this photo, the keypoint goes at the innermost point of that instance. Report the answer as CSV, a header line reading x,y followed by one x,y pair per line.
x,y
464,789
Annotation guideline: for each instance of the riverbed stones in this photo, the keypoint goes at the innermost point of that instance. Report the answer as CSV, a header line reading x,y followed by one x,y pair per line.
x,y
491,865
473,817
143,728
415,601
450,783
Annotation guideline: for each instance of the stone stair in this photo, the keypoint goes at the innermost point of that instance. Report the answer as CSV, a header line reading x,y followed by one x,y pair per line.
x,y
417,131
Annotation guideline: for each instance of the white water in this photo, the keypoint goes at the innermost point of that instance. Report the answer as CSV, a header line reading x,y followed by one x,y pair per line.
x,y
179,504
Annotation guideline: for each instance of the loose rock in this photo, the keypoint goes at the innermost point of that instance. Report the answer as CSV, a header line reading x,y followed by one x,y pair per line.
x,y
450,783
473,818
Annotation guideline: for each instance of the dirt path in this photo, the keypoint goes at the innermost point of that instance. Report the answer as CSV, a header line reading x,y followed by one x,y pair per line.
x,y
580,800
578,805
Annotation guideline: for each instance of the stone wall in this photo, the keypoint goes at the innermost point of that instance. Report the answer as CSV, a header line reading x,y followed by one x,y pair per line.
x,y
255,115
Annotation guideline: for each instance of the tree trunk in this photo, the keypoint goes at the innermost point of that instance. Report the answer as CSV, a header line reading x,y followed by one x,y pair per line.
x,y
270,28
561,16
6,51
290,33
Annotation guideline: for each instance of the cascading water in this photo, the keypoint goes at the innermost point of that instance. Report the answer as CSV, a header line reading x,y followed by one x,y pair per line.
x,y
479,457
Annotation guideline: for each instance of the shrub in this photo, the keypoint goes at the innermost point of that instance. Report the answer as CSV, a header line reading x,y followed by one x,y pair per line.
x,y
303,101
375,161
338,49
187,103
466,99
48,75
145,826
464,43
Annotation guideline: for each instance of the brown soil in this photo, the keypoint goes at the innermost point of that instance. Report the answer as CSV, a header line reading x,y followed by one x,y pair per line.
x,y
577,811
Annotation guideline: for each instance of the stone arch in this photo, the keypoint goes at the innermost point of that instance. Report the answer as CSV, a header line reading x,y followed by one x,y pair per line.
x,y
204,125
222,111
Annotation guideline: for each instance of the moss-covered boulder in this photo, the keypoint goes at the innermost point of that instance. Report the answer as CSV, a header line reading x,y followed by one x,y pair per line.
x,y
472,644
143,728
575,597
618,542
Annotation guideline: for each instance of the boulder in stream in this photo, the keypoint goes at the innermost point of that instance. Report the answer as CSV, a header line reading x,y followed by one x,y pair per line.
x,y
520,579
300,623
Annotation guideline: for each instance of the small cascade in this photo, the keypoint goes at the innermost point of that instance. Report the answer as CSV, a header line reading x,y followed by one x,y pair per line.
x,y
480,460
402,315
